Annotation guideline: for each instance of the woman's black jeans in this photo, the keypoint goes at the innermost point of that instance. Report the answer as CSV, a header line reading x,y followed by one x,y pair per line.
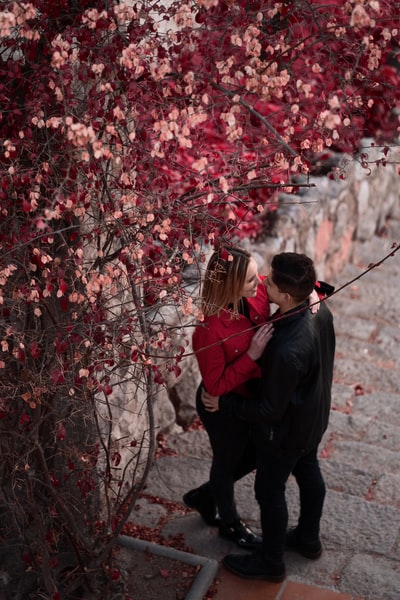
x,y
234,456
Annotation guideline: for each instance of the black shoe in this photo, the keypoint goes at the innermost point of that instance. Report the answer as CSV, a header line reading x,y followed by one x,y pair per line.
x,y
254,566
241,534
296,543
199,500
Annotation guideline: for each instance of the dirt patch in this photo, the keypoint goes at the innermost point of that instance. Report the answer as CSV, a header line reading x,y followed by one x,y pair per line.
x,y
151,577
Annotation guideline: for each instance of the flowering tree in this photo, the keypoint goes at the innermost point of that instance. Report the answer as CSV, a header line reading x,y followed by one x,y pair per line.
x,y
133,135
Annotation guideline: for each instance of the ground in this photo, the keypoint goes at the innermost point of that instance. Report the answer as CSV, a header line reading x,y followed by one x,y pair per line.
x,y
151,577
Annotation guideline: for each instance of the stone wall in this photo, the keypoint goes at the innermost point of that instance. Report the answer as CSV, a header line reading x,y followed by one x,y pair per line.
x,y
333,214
323,221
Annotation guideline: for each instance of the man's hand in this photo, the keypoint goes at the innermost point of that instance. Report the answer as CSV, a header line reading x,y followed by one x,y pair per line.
x,y
211,403
314,302
259,340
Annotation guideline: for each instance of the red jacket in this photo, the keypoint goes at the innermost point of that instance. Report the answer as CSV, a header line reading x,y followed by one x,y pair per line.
x,y
226,366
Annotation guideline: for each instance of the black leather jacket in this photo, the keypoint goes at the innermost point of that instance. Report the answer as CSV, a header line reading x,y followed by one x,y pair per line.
x,y
290,407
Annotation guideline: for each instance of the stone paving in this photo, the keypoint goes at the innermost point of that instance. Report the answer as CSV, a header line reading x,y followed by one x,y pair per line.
x,y
360,455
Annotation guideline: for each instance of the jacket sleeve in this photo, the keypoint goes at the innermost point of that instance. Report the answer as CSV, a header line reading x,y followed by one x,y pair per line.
x,y
219,376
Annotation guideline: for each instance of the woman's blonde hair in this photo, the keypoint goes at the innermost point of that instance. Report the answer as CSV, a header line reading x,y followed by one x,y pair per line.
x,y
224,280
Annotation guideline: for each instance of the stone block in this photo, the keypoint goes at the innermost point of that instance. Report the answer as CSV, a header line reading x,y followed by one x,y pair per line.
x,y
347,426
148,514
350,523
361,329
387,491
381,405
323,572
168,481
342,396
371,459
357,372
372,577
193,444
345,478
384,435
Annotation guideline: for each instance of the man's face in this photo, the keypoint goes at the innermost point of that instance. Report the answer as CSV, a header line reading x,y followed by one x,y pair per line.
x,y
274,294
252,280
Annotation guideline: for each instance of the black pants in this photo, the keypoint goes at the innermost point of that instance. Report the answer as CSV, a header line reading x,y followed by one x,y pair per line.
x,y
272,475
234,456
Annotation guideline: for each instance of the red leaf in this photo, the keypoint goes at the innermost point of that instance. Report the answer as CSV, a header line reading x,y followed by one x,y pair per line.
x,y
54,481
164,573
63,286
26,206
34,349
158,378
115,574
116,458
24,419
57,376
61,432
64,304
53,562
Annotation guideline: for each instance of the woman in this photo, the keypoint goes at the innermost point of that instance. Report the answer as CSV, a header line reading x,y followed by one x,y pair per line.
x,y
227,345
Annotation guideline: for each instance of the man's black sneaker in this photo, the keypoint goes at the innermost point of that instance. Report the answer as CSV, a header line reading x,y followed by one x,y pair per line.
x,y
296,543
254,566
241,534
199,500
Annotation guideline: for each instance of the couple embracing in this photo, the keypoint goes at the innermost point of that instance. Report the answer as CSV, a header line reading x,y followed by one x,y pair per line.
x,y
264,401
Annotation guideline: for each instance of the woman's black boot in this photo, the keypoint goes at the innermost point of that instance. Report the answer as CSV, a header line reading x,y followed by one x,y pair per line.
x,y
241,534
202,500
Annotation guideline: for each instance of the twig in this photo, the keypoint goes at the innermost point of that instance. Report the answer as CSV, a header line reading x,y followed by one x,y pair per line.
x,y
395,248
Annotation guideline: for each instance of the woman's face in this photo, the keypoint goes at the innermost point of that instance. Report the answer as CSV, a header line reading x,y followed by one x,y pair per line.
x,y
252,280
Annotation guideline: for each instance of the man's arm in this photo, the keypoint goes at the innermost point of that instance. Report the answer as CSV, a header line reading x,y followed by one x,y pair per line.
x,y
271,399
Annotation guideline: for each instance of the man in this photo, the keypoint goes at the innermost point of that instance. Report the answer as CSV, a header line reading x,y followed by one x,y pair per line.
x,y
290,412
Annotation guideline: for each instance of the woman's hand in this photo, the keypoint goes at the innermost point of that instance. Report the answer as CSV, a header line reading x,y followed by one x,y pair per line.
x,y
260,340
314,302
211,403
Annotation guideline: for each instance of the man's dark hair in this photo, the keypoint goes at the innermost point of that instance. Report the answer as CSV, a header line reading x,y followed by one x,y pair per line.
x,y
294,274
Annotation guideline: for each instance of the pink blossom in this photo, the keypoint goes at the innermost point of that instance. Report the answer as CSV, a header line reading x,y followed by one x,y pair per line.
x,y
7,23
360,17
183,16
